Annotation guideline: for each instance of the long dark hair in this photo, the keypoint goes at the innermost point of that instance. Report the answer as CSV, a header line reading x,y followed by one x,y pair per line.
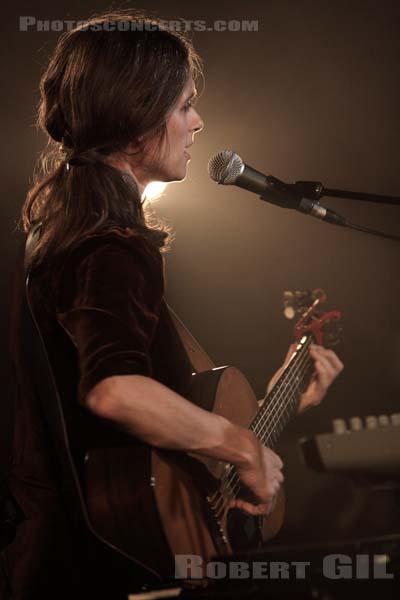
x,y
109,82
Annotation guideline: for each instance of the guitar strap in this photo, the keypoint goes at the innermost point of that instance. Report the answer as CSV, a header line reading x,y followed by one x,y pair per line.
x,y
198,358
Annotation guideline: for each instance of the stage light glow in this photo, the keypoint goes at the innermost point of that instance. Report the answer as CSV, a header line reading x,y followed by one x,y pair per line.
x,y
153,190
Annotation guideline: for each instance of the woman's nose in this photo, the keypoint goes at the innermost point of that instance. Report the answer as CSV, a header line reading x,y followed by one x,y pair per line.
x,y
199,124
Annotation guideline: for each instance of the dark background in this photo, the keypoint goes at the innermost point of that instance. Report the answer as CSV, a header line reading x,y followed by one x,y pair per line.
x,y
314,94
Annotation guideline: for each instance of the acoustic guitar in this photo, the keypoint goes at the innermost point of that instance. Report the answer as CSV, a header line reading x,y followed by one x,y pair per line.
x,y
153,504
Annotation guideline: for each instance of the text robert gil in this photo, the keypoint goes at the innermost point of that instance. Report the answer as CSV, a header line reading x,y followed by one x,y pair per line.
x,y
334,566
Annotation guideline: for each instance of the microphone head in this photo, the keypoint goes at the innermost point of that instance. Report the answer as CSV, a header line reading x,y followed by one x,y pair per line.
x,y
225,167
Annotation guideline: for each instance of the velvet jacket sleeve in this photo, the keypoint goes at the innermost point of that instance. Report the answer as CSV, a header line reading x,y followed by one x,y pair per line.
x,y
109,304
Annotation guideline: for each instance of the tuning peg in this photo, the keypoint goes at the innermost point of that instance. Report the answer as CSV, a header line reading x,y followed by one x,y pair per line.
x,y
298,301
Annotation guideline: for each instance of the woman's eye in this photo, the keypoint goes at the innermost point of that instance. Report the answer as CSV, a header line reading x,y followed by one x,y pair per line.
x,y
189,104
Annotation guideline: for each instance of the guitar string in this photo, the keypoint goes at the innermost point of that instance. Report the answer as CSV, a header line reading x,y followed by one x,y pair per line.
x,y
272,417
302,365
227,484
279,409
302,356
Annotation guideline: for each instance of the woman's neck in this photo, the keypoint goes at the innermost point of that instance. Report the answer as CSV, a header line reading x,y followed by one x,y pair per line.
x,y
118,161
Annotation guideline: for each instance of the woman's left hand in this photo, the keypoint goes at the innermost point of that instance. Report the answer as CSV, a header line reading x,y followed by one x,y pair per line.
x,y
327,367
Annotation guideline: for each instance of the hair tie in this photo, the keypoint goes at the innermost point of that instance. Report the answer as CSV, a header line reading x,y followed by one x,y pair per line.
x,y
76,158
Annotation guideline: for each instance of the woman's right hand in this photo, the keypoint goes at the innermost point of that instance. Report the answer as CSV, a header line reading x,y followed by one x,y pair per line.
x,y
262,476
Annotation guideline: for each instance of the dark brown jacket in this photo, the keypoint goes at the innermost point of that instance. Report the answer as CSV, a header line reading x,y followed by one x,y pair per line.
x,y
102,312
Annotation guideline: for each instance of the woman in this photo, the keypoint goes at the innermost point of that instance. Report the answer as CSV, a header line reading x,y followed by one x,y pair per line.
x,y
117,103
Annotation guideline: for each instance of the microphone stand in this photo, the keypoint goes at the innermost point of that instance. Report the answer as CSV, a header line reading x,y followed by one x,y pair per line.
x,y
305,196
314,190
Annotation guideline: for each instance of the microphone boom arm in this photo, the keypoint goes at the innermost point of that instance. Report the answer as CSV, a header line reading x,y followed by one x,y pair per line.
x,y
314,190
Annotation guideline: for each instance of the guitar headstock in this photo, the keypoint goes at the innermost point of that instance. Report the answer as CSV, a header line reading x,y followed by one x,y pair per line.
x,y
324,326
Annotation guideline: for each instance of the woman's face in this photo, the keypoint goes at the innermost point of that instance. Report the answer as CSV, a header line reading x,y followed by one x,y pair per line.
x,y
169,162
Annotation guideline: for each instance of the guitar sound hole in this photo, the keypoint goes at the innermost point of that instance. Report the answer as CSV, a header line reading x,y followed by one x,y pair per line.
x,y
243,530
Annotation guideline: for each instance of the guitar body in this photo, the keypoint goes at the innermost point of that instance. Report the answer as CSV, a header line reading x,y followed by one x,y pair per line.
x,y
153,504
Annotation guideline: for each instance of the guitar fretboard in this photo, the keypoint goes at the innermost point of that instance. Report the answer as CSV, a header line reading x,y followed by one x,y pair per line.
x,y
278,407
282,401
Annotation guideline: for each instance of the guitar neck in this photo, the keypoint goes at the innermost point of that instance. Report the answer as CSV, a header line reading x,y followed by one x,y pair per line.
x,y
282,401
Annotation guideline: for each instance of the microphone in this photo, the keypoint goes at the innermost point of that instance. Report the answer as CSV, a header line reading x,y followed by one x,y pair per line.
x,y
227,168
